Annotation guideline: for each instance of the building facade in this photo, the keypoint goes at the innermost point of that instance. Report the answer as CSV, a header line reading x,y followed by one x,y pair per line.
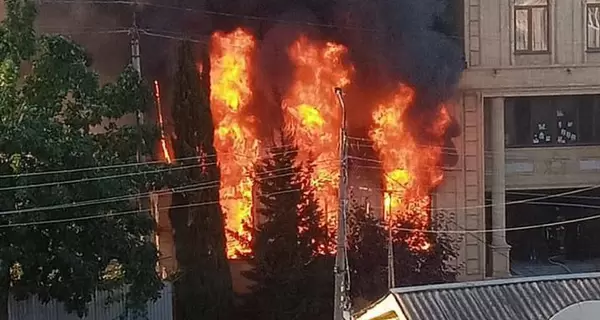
x,y
530,115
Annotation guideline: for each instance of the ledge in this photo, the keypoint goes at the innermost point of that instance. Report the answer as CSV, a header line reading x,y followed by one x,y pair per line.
x,y
532,80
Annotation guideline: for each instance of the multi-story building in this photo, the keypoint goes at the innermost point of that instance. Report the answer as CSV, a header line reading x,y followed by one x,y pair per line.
x,y
530,147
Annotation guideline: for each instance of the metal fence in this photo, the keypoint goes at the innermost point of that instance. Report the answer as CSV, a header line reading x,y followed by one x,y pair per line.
x,y
33,309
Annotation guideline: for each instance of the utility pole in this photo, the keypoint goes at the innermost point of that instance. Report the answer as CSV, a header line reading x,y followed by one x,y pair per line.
x,y
391,273
137,65
341,302
136,59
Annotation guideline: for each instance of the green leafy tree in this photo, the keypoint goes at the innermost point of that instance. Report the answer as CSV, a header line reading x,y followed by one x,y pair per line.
x,y
368,255
203,286
291,278
67,231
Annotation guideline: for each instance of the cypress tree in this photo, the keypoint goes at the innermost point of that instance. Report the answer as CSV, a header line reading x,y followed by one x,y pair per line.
x,y
203,288
291,279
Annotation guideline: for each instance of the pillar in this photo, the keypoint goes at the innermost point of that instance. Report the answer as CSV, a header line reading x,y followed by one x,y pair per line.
x,y
500,250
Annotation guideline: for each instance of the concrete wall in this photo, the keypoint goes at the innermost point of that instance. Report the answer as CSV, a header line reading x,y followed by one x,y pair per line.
x,y
462,191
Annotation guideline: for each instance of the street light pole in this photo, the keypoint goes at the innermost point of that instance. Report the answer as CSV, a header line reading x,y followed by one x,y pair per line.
x,y
342,277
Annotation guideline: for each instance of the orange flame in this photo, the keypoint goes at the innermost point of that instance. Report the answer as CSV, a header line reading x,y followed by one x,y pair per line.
x,y
411,170
312,114
235,139
166,153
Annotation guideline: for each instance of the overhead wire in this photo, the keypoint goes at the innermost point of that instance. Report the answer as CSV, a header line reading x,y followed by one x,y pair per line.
x,y
530,201
543,197
263,175
427,231
129,174
129,212
137,164
213,13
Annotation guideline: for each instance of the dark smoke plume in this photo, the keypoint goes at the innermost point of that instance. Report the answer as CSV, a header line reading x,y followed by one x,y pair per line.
x,y
389,41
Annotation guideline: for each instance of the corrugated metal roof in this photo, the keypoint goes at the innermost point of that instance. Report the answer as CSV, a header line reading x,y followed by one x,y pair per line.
x,y
34,309
533,298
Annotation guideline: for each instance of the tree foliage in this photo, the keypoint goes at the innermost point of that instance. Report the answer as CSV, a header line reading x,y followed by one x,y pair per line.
x,y
291,278
368,255
64,226
203,286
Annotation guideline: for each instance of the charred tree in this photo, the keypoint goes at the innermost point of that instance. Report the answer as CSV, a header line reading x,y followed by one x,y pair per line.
x,y
291,278
203,288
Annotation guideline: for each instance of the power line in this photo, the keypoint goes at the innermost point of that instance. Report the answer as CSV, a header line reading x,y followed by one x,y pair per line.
x,y
521,228
261,176
215,13
82,180
89,31
193,187
369,143
122,213
137,164
481,231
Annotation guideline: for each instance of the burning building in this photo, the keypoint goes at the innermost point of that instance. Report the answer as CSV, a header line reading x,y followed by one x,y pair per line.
x,y
273,69
283,82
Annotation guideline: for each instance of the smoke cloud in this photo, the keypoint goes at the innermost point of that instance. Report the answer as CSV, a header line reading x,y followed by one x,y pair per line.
x,y
389,42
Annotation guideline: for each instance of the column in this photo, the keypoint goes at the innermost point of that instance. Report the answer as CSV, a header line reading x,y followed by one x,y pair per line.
x,y
500,250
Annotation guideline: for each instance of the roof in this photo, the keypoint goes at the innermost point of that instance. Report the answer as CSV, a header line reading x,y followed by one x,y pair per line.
x,y
531,298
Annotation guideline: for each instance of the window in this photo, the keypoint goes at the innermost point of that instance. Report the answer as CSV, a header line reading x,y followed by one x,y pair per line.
x,y
531,26
552,121
593,25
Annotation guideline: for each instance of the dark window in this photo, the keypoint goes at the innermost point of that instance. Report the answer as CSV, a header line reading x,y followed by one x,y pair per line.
x,y
552,121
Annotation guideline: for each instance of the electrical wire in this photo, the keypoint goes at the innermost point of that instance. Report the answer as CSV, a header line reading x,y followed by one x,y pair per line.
x,y
214,13
187,188
482,231
544,197
130,174
136,164
130,212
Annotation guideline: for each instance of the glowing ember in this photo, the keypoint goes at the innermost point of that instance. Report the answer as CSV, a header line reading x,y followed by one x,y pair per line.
x,y
313,116
235,139
166,152
411,170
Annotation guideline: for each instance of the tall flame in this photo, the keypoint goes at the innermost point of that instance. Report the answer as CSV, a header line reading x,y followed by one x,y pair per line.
x,y
164,144
411,170
313,116
235,138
